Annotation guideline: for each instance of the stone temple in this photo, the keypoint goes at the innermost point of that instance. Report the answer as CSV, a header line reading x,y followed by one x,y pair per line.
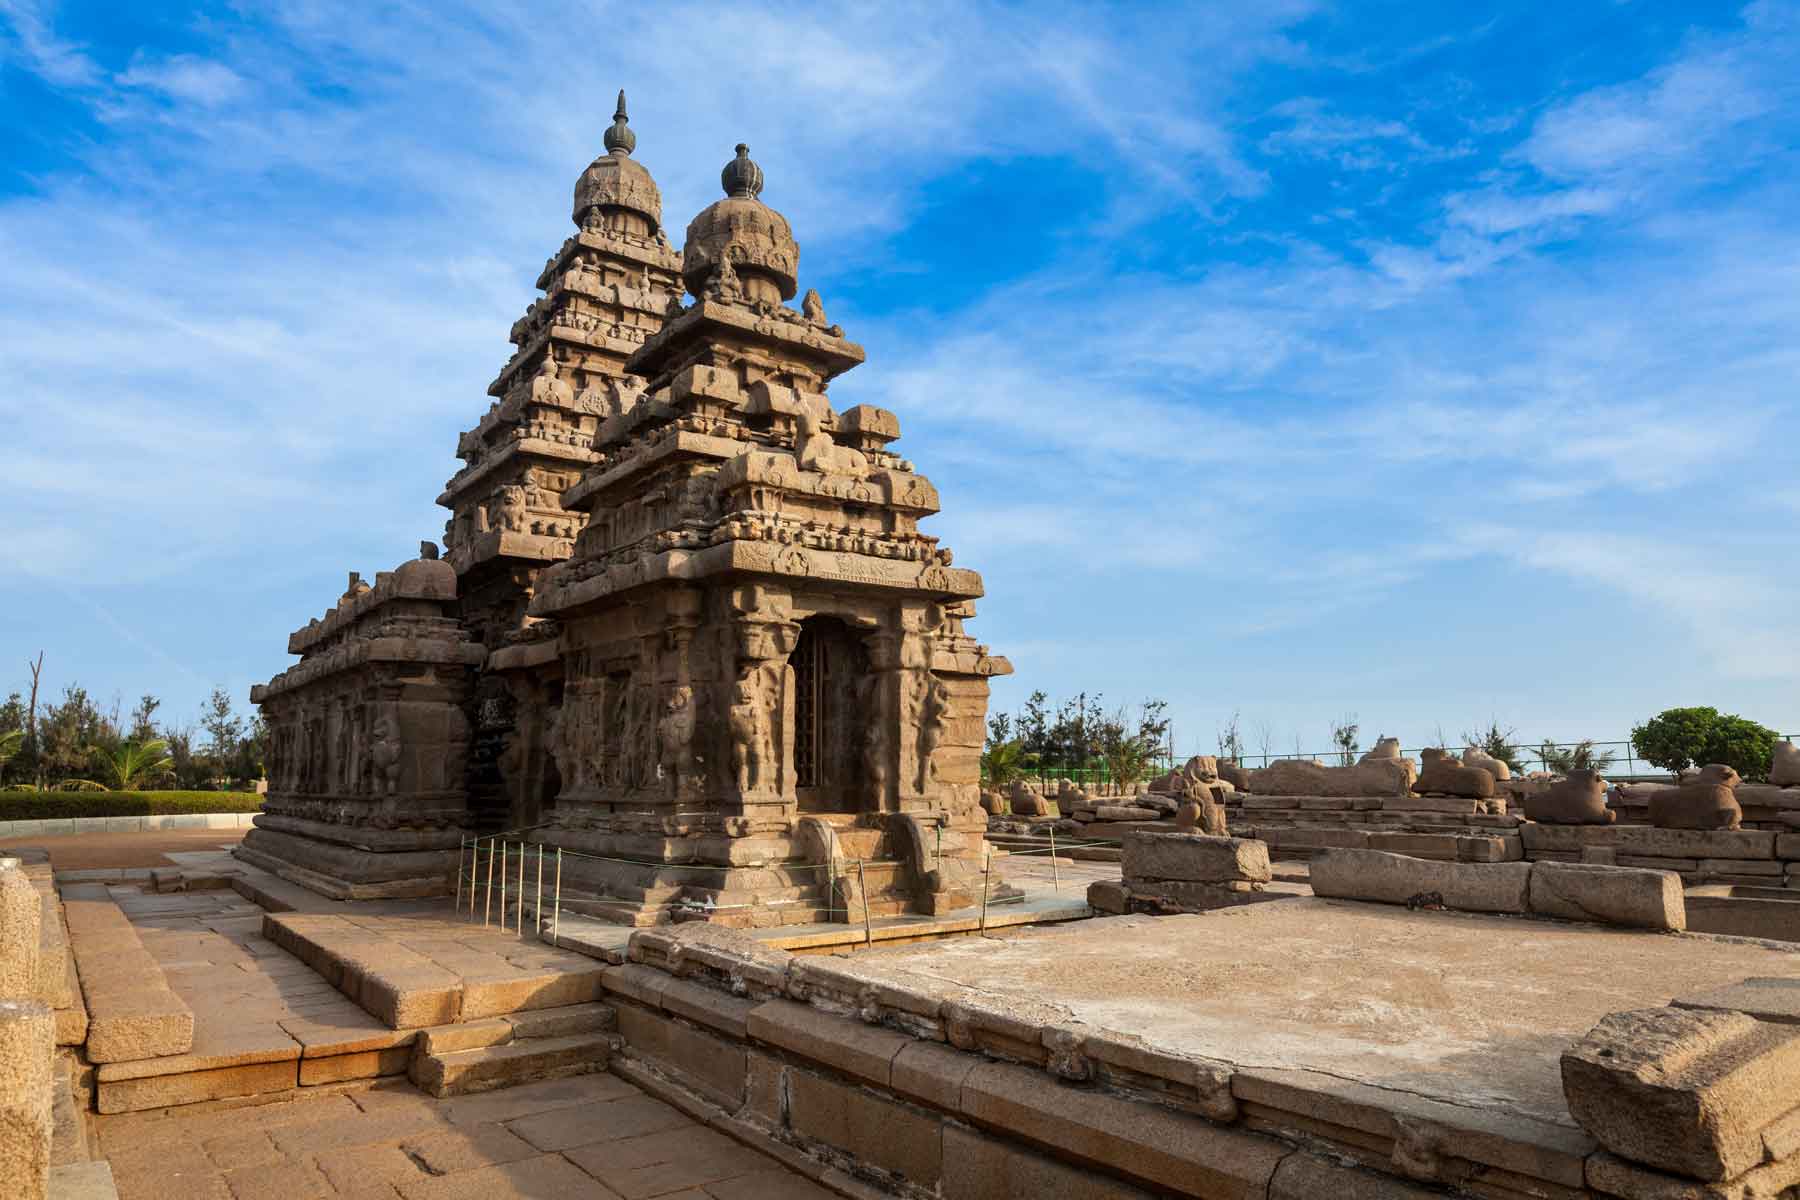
x,y
686,627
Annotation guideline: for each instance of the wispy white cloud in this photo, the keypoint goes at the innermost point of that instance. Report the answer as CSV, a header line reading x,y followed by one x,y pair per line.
x,y
30,40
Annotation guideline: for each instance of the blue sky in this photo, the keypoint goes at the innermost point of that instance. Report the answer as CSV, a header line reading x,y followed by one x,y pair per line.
x,y
1430,363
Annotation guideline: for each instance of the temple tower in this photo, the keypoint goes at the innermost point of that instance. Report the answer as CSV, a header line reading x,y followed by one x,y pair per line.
x,y
764,673
604,293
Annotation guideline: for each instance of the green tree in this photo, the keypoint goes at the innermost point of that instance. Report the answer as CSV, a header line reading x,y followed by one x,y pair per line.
x,y
143,719
1678,738
1343,736
1231,742
71,735
10,742
223,726
1129,743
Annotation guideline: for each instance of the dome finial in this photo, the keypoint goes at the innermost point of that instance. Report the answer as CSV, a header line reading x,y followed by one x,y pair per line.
x,y
619,139
741,177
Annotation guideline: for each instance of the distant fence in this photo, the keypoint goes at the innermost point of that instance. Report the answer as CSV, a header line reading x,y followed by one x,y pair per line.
x,y
1619,761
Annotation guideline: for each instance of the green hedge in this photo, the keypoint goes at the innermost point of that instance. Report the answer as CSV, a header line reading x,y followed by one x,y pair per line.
x,y
51,806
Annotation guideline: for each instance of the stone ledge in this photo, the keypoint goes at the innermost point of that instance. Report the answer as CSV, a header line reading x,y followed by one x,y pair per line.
x,y
132,1011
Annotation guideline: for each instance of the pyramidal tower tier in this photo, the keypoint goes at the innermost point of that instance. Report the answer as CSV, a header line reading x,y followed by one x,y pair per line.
x,y
688,629
765,673
604,294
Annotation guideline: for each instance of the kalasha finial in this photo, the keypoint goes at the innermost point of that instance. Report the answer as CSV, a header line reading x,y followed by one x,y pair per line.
x,y
619,138
741,177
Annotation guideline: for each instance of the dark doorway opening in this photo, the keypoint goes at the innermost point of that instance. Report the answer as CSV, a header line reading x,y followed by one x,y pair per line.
x,y
830,669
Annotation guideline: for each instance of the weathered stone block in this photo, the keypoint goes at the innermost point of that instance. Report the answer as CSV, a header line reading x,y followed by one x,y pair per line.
x,y
27,1047
1695,843
1608,895
984,1168
895,1137
866,1051
1688,1091
1195,857
1766,999
1166,1149
190,1087
1397,879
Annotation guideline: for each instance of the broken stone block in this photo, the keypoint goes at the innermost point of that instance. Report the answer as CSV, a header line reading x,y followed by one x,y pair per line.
x,y
1194,857
1608,895
1418,882
1686,1091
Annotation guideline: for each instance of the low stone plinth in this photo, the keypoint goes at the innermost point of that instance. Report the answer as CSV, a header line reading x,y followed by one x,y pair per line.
x,y
132,1011
1397,879
1605,895
1608,895
1693,1092
1185,872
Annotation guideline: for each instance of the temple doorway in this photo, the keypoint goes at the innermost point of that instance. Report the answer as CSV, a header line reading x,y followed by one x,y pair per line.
x,y
831,668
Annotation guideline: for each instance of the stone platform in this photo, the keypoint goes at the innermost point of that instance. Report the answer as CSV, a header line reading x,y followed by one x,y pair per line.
x,y
1437,1008
412,966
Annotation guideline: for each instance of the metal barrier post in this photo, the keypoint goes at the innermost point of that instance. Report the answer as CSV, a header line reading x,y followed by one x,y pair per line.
x,y
537,903
1055,877
863,887
462,847
504,862
987,863
487,898
556,904
519,925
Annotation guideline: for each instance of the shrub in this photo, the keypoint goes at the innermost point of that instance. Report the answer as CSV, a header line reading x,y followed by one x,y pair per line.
x,y
56,806
1678,738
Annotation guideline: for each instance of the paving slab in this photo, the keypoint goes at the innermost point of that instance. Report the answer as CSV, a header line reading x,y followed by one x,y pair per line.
x,y
393,1143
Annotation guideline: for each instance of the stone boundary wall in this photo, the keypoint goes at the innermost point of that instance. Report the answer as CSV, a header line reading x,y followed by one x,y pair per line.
x,y
884,1084
67,826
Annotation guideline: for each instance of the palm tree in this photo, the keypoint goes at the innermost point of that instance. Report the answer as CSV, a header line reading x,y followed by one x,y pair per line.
x,y
1560,760
131,765
10,744
1003,762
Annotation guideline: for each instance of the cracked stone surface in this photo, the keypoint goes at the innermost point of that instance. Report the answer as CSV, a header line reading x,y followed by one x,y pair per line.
x,y
1461,1008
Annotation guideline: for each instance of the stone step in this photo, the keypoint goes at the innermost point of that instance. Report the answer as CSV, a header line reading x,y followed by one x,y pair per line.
x,y
460,1072
132,1011
862,843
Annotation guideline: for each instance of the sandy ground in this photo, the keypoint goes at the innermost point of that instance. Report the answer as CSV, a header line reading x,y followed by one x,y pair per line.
x,y
90,851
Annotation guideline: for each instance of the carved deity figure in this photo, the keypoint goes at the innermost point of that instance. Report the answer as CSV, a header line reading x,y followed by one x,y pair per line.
x,y
751,751
534,495
813,308
816,451
675,734
384,753
875,741
939,712
556,745
512,508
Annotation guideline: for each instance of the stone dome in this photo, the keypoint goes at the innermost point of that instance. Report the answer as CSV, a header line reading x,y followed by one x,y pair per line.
x,y
616,180
756,238
426,577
